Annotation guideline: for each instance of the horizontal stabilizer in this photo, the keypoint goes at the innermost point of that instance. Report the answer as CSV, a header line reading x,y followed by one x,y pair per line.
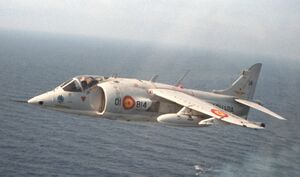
x,y
259,107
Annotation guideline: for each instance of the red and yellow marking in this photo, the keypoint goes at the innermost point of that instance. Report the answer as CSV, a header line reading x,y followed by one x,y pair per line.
x,y
219,113
128,102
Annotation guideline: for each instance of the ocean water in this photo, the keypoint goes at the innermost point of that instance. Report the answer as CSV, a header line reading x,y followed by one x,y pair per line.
x,y
41,142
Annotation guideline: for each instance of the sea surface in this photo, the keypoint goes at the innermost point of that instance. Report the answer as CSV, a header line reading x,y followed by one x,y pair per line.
x,y
40,142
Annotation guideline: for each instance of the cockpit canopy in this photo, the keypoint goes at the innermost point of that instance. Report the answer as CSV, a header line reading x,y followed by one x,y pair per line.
x,y
80,83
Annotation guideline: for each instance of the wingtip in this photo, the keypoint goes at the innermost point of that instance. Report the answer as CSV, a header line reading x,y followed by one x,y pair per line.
x,y
279,117
282,118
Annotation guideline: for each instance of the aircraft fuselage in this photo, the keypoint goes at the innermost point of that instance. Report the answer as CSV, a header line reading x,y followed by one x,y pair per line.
x,y
124,98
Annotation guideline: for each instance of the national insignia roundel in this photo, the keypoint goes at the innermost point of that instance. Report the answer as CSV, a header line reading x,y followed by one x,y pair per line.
x,y
128,102
219,113
60,99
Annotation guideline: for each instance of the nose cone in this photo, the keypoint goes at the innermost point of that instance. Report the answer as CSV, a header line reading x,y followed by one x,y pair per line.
x,y
35,100
43,99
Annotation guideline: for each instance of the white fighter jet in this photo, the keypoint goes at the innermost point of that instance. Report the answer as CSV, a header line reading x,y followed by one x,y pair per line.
x,y
141,100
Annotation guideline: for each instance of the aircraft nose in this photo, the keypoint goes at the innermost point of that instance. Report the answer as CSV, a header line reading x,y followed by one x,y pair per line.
x,y
43,99
35,101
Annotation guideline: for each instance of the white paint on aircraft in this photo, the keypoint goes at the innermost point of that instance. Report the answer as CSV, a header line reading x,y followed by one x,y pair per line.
x,y
141,100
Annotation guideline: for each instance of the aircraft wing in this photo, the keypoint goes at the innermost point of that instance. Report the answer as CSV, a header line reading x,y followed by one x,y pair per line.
x,y
259,107
204,107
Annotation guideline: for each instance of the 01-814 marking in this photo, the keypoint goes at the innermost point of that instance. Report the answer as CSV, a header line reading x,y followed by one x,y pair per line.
x,y
138,104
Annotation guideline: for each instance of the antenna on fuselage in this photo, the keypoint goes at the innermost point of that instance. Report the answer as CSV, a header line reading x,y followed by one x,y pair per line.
x,y
153,79
114,75
179,81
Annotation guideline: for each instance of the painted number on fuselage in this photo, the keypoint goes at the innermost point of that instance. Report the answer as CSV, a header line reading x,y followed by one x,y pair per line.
x,y
117,101
129,102
141,105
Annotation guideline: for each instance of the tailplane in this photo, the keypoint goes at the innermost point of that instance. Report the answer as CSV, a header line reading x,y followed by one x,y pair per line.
x,y
244,86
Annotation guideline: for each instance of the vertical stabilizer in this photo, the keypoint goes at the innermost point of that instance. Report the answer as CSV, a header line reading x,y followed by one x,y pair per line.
x,y
244,86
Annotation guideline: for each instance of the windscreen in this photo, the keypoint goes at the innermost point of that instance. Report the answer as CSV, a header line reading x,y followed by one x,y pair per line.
x,y
72,87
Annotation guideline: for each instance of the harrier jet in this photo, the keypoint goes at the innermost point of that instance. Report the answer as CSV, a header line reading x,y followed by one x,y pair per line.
x,y
140,100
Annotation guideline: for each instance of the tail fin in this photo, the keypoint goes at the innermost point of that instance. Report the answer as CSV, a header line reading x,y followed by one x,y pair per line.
x,y
244,86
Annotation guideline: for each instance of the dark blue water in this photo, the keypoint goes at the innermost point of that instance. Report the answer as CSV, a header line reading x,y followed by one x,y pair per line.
x,y
40,142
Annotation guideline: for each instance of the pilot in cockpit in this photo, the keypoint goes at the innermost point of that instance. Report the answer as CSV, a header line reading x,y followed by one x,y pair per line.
x,y
87,82
83,83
